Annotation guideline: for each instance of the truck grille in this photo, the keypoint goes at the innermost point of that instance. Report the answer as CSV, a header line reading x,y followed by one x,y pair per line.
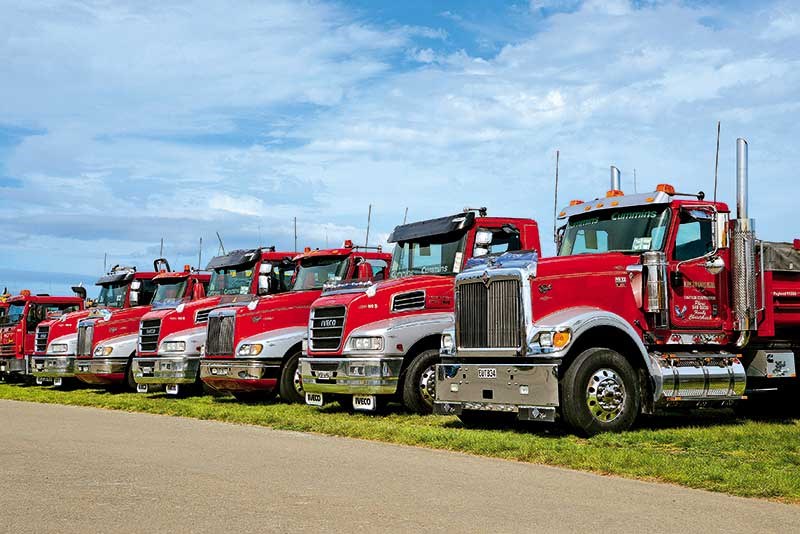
x,y
7,349
220,335
85,335
202,316
41,338
327,325
148,335
413,300
489,315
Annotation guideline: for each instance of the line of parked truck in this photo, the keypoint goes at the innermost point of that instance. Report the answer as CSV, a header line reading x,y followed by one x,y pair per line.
x,y
654,301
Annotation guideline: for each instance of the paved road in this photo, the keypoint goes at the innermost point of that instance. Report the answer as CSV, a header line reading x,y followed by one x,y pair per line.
x,y
69,469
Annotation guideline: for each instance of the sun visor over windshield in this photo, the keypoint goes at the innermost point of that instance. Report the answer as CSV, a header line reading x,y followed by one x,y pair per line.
x,y
433,227
232,259
114,278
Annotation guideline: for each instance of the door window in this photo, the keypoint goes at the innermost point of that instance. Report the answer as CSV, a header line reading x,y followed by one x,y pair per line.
x,y
503,240
694,238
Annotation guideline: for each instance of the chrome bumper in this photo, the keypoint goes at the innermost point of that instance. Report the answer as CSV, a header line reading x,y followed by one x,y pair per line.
x,y
53,366
166,370
101,370
528,390
354,376
13,365
240,375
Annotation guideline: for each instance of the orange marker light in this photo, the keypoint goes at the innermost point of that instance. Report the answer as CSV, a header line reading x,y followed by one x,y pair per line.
x,y
562,213
614,193
599,205
665,188
649,199
587,208
307,250
575,202
348,243
615,202
25,292
560,339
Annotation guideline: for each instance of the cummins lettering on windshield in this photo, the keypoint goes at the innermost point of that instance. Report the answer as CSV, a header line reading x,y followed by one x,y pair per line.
x,y
630,230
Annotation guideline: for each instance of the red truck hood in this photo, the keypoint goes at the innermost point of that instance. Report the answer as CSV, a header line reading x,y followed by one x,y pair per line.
x,y
582,264
120,323
62,326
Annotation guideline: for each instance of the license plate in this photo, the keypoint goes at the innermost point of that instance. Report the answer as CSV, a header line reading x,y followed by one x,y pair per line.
x,y
219,371
147,371
324,375
487,373
314,399
364,402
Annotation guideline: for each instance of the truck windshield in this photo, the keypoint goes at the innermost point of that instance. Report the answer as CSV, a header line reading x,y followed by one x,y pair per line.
x,y
432,255
624,230
234,280
15,313
314,272
169,293
112,295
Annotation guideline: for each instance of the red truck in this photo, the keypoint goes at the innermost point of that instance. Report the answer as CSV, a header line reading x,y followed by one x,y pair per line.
x,y
172,337
252,351
106,341
381,342
658,300
18,327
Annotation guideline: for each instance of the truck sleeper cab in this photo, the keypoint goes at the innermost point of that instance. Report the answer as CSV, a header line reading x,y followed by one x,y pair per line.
x,y
369,345
656,301
107,339
171,338
252,350
19,327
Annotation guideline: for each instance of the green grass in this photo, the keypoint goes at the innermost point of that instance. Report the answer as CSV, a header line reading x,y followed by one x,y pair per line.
x,y
714,451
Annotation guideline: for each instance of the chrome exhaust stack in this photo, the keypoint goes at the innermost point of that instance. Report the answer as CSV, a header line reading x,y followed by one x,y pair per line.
x,y
616,180
743,248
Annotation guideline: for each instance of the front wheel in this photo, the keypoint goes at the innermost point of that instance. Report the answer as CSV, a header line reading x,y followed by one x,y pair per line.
x,y
419,386
291,386
130,383
601,393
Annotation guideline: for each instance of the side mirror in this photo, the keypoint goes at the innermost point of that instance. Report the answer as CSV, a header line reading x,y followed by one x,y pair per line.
x,y
198,291
714,265
134,297
264,284
135,285
364,271
479,251
483,237
721,223
265,268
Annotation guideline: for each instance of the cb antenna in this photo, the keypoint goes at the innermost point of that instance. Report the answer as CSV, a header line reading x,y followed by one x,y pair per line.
x,y
161,250
635,188
405,217
555,202
716,163
200,255
221,245
295,234
369,220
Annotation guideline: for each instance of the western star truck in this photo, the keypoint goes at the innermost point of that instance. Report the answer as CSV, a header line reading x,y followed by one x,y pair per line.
x,y
368,345
106,341
18,327
657,300
252,350
171,338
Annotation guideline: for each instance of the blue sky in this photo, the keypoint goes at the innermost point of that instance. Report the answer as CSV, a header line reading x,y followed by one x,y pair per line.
x,y
122,123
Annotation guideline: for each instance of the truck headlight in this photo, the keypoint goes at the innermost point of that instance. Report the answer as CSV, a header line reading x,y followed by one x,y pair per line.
x,y
253,349
174,346
103,351
447,342
59,348
556,340
366,343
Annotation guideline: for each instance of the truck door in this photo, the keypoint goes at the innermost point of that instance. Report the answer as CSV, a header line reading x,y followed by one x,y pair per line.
x,y
496,240
694,292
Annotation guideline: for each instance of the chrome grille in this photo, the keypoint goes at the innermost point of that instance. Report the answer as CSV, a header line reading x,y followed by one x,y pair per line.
x,y
149,331
220,335
489,315
85,335
327,325
202,316
41,338
413,300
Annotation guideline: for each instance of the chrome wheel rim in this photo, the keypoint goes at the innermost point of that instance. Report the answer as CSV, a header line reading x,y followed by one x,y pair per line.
x,y
297,382
605,395
427,384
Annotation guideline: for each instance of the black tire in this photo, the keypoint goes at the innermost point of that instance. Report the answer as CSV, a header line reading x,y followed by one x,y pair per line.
x,y
252,397
290,385
607,372
130,383
419,382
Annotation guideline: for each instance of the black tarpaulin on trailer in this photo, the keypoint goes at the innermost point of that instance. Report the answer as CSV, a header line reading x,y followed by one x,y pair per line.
x,y
431,227
232,259
781,257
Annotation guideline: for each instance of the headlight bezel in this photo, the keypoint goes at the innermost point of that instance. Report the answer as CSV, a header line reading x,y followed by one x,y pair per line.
x,y
59,348
102,350
366,343
173,346
250,349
